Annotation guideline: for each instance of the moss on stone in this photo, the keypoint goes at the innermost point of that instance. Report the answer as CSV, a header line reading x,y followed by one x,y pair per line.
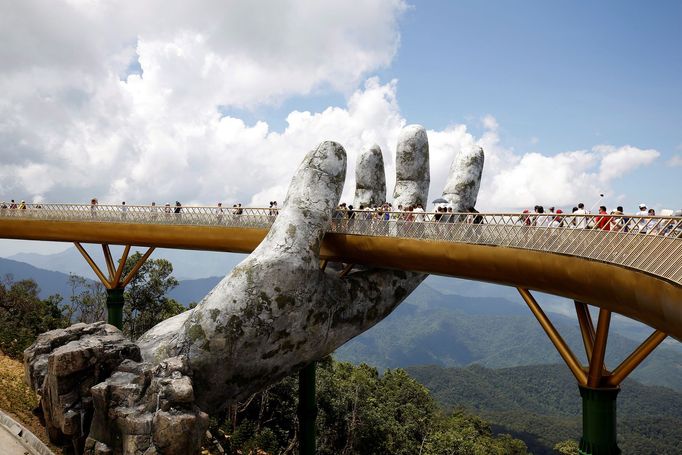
x,y
233,328
284,300
265,298
291,230
196,333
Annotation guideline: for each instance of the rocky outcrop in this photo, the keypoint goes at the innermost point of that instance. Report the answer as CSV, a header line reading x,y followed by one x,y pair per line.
x,y
62,365
99,398
143,409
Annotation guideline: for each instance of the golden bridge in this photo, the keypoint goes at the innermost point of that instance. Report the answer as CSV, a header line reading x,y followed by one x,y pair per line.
x,y
621,264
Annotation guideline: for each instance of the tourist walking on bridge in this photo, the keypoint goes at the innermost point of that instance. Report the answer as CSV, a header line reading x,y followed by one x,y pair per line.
x,y
580,221
603,221
219,212
641,224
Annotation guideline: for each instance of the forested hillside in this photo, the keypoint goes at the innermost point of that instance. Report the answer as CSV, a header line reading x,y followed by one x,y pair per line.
x,y
541,405
359,412
431,328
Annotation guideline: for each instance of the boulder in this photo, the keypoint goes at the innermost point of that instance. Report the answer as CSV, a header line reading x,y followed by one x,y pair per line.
x,y
62,366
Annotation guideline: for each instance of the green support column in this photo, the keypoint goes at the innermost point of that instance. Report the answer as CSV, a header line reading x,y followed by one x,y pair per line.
x,y
115,307
307,410
599,421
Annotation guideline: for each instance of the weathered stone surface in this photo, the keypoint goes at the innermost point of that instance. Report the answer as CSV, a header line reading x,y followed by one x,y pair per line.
x,y
412,173
147,409
464,180
370,178
62,366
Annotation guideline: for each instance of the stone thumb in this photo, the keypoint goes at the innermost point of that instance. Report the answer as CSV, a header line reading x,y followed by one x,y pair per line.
x,y
313,194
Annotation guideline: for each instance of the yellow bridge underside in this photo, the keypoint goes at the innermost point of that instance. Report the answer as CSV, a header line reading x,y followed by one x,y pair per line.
x,y
635,294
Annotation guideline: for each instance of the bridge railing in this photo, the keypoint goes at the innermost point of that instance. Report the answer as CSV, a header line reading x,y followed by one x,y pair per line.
x,y
651,244
147,214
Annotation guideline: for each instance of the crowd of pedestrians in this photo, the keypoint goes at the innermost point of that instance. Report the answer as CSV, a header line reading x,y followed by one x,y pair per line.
x,y
416,212
644,220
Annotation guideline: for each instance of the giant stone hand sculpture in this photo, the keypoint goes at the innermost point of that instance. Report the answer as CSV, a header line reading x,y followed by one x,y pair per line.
x,y
278,310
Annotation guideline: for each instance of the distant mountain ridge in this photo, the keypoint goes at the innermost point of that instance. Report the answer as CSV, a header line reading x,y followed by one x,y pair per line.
x,y
187,264
430,328
49,282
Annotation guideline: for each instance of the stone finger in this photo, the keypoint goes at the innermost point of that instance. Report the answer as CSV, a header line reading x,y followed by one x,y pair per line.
x,y
412,167
464,179
370,178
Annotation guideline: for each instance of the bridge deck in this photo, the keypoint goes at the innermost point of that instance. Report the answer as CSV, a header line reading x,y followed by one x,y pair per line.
x,y
625,270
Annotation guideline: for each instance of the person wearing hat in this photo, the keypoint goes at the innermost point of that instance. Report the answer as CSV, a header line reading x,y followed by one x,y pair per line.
x,y
22,205
558,220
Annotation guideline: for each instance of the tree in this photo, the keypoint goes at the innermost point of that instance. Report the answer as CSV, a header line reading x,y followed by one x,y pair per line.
x,y
359,412
462,433
568,447
146,303
87,302
23,315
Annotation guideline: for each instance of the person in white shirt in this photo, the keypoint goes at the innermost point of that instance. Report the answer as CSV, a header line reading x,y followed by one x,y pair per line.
x,y
580,221
641,225
419,213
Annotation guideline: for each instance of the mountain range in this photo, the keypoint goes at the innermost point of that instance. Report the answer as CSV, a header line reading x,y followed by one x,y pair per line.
x,y
187,264
431,328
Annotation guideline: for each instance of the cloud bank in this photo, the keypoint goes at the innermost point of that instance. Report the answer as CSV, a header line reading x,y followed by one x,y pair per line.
x,y
126,102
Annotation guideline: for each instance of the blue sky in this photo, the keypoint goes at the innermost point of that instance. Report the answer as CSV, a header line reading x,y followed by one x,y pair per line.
x,y
570,74
170,101
557,77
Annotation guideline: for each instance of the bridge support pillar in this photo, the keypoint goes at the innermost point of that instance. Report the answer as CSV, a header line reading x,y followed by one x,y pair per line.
x,y
599,387
599,421
116,281
115,303
307,410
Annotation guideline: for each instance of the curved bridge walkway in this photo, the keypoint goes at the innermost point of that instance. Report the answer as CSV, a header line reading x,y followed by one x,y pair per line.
x,y
625,264
618,239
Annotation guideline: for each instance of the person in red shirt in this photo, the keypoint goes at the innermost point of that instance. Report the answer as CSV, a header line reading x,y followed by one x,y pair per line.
x,y
603,222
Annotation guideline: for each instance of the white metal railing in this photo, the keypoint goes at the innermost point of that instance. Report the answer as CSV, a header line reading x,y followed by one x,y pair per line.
x,y
650,244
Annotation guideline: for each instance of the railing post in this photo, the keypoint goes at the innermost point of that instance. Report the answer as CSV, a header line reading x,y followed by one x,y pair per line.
x,y
307,410
115,303
599,421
